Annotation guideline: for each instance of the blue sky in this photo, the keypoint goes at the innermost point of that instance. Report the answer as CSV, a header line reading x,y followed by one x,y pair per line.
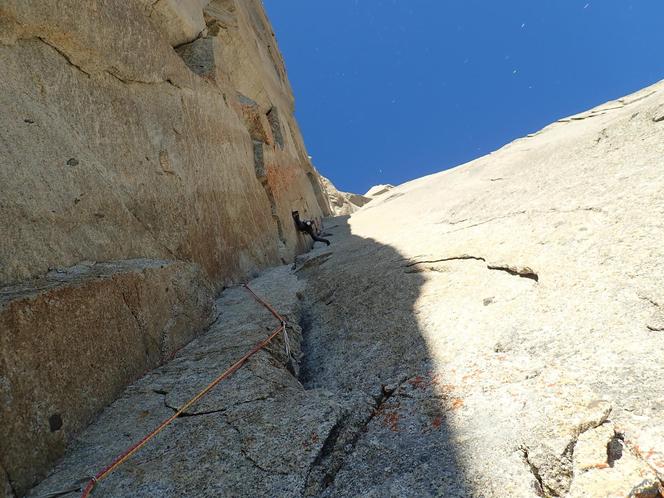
x,y
391,90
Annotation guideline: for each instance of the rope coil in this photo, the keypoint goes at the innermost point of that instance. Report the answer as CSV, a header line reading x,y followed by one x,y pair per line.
x,y
129,452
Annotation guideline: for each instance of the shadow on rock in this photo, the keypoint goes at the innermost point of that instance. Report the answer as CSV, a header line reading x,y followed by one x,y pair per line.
x,y
362,341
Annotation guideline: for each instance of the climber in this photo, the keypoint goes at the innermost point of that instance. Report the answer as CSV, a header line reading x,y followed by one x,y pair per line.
x,y
308,227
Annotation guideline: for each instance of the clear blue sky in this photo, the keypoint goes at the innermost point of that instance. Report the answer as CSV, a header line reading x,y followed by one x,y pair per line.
x,y
391,90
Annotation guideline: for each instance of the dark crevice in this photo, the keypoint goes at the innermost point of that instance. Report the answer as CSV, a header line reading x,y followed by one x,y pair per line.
x,y
523,272
538,484
134,314
65,56
313,487
107,71
343,438
216,410
454,258
12,489
341,442
614,450
250,459
273,118
200,35
650,300
305,321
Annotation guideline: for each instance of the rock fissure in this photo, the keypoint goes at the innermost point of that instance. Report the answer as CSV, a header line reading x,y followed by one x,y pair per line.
x,y
519,271
651,301
64,55
249,458
538,484
614,449
139,322
341,442
109,72
513,214
188,414
523,272
452,258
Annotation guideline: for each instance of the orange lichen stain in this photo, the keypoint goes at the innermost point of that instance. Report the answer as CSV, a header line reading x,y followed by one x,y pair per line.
x,y
437,422
647,456
456,403
281,176
600,466
435,378
391,420
313,439
471,376
418,382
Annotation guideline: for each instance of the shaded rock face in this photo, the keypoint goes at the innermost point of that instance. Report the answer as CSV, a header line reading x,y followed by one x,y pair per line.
x,y
73,340
160,130
342,203
126,133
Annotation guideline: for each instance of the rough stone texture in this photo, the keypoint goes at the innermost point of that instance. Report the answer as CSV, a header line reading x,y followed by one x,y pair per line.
x,y
529,288
342,203
115,145
180,21
256,434
6,490
72,341
500,346
489,331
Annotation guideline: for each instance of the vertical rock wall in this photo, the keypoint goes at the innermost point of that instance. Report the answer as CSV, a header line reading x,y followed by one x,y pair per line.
x,y
130,130
147,129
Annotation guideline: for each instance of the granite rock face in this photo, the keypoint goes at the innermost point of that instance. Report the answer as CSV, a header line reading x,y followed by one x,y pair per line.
x,y
528,293
501,346
157,137
73,340
507,343
124,135
257,434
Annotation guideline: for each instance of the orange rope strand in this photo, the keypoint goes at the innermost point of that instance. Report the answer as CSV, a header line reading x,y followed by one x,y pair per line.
x,y
129,452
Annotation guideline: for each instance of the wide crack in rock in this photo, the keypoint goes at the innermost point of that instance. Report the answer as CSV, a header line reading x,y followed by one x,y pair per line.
x,y
341,442
259,429
519,271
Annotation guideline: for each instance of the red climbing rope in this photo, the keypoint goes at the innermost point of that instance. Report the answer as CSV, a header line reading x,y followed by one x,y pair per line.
x,y
127,454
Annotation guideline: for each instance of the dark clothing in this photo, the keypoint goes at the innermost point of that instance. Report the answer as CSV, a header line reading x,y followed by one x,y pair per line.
x,y
307,226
